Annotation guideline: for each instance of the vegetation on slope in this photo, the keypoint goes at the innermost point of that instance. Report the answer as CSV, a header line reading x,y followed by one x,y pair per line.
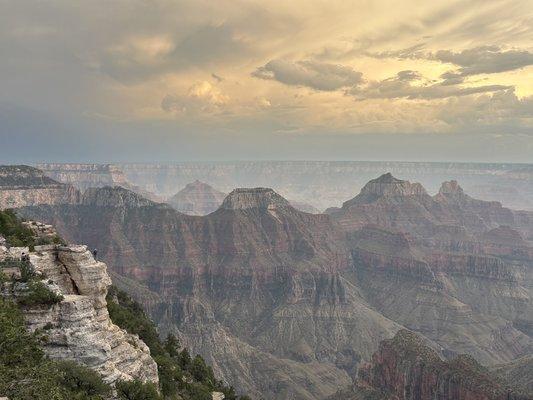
x,y
180,375
13,231
18,235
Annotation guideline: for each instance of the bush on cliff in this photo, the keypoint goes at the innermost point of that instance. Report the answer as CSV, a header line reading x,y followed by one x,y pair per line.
x,y
26,373
39,294
13,231
180,376
136,390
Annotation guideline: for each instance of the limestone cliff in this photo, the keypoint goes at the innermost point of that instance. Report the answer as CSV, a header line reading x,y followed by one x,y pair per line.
x,y
78,327
21,186
85,176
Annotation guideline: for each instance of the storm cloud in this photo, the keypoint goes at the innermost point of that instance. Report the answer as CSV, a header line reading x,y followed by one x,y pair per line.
x,y
312,74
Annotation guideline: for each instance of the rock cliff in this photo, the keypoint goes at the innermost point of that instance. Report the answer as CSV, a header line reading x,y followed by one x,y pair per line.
x,y
404,368
21,186
85,176
78,327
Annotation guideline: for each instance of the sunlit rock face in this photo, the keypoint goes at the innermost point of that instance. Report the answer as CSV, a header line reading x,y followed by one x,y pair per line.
x,y
79,328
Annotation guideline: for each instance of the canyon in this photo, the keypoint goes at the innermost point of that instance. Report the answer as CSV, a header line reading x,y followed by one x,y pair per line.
x,y
285,303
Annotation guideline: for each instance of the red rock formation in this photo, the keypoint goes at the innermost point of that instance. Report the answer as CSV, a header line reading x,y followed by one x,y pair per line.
x,y
404,368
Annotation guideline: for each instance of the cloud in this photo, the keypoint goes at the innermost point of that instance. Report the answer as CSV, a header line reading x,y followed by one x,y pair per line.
x,y
201,98
502,112
141,57
484,60
474,61
401,86
313,74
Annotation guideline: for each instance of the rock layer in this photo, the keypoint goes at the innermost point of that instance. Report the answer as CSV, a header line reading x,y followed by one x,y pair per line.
x,y
22,186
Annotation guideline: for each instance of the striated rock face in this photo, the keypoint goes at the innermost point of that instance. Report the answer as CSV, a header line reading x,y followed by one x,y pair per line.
x,y
22,186
444,267
79,328
260,198
85,176
386,186
197,198
114,197
404,368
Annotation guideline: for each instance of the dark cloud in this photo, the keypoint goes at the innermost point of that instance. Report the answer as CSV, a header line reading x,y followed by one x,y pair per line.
x,y
474,61
312,74
408,75
401,86
485,60
207,45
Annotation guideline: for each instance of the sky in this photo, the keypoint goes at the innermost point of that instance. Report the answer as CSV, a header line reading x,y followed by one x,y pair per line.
x,y
164,81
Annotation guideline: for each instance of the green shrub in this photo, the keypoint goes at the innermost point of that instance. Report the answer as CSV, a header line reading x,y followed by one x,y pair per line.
x,y
76,378
14,232
39,294
26,271
136,390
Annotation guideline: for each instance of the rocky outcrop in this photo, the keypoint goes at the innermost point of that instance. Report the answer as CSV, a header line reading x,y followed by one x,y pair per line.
x,y
404,368
78,328
22,186
390,203
386,186
197,198
259,198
